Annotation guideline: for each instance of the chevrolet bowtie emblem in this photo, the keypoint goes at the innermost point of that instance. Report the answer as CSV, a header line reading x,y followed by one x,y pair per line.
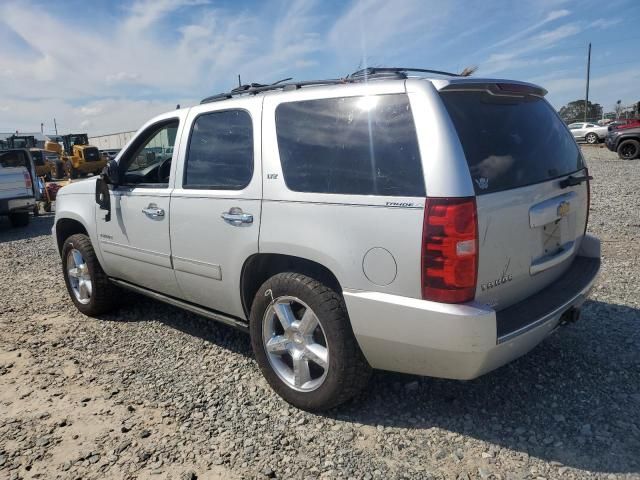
x,y
563,208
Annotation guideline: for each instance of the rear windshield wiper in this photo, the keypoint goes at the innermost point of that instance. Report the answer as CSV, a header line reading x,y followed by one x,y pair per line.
x,y
572,181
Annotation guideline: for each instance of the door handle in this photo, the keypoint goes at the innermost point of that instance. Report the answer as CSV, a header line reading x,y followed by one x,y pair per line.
x,y
152,210
235,216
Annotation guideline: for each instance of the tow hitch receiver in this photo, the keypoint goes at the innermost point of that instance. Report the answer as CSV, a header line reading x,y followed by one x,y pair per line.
x,y
570,316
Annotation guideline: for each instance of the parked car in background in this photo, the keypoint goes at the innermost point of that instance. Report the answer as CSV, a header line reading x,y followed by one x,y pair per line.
x,y
17,189
589,132
624,141
624,123
427,226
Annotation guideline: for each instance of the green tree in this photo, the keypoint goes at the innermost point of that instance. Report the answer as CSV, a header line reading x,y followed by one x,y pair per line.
x,y
574,111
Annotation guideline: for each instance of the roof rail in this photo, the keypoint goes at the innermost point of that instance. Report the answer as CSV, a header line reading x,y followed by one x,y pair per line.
x,y
255,88
359,76
395,72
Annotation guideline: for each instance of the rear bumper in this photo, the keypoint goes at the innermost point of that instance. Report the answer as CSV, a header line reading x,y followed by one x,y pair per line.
x,y
464,341
21,204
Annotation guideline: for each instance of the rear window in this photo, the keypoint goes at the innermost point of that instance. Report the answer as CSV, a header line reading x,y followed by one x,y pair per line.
x,y
352,145
511,142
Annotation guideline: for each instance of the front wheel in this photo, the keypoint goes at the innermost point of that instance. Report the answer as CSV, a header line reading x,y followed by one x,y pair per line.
x,y
88,286
19,219
303,342
591,138
629,149
73,173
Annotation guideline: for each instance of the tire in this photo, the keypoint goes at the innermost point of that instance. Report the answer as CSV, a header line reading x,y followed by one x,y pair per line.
x,y
19,219
73,173
347,371
59,167
103,295
629,149
591,138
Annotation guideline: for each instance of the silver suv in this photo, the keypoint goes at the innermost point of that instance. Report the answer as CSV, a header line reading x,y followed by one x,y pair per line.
x,y
433,226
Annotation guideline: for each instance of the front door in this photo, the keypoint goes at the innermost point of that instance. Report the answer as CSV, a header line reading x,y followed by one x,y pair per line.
x,y
215,207
135,241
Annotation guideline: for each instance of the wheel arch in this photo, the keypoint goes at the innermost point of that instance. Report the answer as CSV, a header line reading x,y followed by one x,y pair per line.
x,y
259,267
65,227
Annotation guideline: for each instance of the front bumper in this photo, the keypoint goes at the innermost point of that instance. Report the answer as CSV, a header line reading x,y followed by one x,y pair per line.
x,y
610,143
464,341
22,204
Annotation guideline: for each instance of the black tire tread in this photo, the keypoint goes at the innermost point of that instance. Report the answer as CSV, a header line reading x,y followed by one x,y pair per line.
x,y
104,297
19,219
627,141
354,372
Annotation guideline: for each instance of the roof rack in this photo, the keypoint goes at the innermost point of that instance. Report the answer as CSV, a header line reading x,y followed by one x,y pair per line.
x,y
359,76
396,72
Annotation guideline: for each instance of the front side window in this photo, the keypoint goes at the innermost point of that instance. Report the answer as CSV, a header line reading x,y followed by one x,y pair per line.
x,y
363,145
150,164
220,154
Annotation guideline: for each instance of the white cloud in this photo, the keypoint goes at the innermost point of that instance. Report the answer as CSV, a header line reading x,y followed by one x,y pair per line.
x,y
551,16
122,77
605,23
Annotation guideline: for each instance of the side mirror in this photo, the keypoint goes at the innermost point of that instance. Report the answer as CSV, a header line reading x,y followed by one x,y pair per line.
x,y
103,197
111,173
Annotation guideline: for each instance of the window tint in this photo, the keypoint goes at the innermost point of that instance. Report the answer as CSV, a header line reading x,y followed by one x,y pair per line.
x,y
510,142
354,145
220,151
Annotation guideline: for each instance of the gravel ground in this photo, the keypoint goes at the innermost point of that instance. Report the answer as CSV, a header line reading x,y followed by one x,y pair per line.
x,y
153,392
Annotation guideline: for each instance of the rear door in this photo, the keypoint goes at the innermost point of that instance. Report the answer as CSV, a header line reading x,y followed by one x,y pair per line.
x,y
530,223
216,205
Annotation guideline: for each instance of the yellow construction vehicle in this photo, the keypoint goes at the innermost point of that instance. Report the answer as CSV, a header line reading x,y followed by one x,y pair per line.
x,y
42,159
77,157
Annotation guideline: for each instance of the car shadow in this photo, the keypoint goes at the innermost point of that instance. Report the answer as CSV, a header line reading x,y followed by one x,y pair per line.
x,y
573,399
38,226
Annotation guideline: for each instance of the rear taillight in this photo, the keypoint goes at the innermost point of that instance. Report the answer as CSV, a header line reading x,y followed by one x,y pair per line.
x,y
27,180
450,250
586,220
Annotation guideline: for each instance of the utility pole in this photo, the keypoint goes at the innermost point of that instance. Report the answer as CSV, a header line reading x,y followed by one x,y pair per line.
x,y
239,82
42,128
586,97
55,125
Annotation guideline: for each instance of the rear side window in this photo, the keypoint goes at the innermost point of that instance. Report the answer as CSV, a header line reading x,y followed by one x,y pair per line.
x,y
511,142
220,155
353,145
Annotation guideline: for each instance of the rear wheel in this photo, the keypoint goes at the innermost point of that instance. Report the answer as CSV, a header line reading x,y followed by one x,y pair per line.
x,y
19,219
59,170
73,173
88,286
304,344
591,138
629,149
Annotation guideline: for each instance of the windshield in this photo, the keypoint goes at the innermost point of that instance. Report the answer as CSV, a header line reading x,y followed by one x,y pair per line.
x,y
511,142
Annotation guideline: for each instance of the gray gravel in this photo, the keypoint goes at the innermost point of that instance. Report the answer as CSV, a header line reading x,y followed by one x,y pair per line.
x,y
153,392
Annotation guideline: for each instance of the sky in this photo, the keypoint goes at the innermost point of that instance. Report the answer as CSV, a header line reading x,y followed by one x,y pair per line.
x,y
106,66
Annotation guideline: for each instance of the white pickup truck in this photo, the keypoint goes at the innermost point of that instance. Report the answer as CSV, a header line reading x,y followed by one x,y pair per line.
x,y
17,196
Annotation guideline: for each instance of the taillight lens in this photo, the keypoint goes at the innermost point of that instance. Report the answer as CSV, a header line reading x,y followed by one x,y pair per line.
x,y
450,250
586,220
27,180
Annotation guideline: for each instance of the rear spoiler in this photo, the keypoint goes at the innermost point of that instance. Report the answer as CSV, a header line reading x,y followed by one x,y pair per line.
x,y
494,87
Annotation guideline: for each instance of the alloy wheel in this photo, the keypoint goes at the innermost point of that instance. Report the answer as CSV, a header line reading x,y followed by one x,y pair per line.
x,y
79,276
295,344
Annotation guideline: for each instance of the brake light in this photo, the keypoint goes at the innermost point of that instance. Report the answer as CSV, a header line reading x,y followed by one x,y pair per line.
x,y
586,220
450,250
27,180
